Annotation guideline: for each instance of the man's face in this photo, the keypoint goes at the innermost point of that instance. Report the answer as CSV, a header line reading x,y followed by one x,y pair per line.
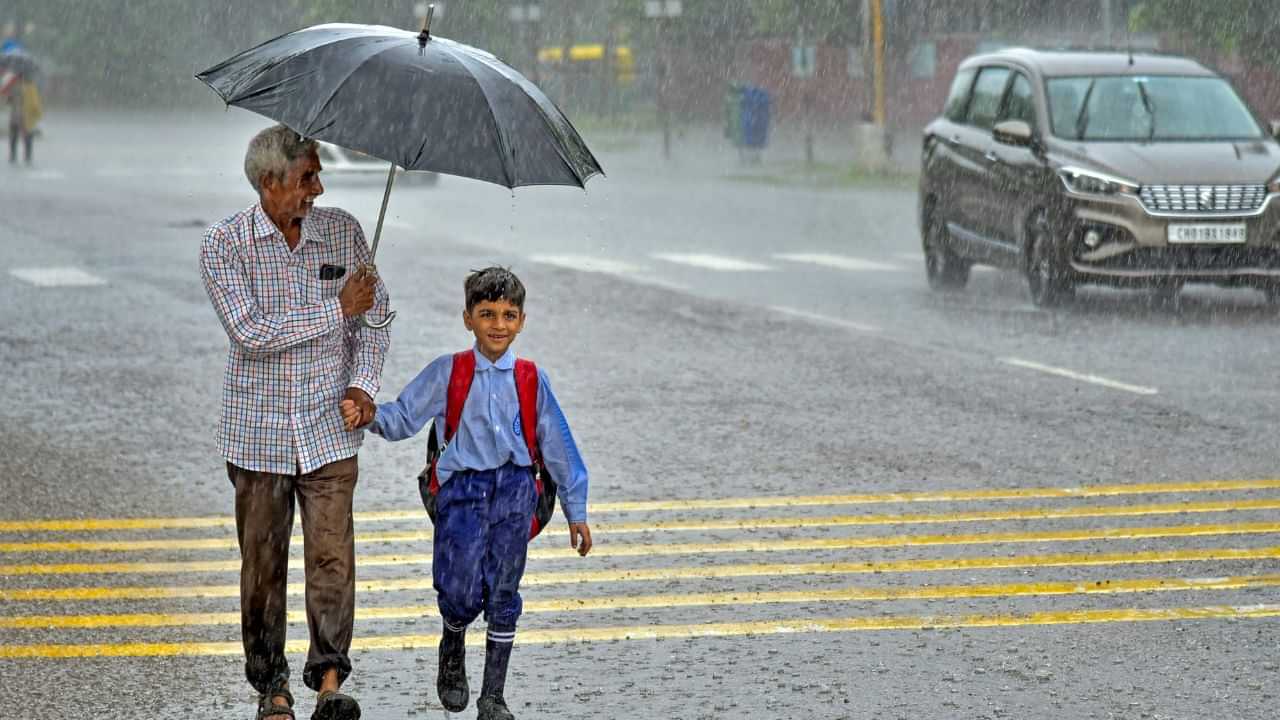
x,y
495,324
290,198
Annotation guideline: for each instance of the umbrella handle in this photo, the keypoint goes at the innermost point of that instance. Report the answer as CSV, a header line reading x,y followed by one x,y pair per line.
x,y
373,252
391,315
364,319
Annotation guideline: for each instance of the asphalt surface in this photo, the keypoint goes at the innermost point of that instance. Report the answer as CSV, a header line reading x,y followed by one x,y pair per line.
x,y
959,506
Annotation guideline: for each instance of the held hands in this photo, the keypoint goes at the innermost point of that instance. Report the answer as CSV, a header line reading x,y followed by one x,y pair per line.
x,y
580,538
357,295
358,409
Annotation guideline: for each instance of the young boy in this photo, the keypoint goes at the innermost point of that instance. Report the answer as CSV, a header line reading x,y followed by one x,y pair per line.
x,y
487,494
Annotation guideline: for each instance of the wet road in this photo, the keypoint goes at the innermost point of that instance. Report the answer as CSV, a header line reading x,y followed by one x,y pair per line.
x,y
818,490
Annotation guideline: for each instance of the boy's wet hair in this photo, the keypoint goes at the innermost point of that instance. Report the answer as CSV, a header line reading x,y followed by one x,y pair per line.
x,y
493,284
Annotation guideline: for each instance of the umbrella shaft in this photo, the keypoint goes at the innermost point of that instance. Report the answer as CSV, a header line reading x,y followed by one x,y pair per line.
x,y
382,214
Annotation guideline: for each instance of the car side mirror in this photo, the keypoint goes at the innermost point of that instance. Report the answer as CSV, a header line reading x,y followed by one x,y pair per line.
x,y
1274,127
1013,132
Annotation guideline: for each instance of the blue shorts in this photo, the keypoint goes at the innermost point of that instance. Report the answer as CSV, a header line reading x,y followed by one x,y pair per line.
x,y
481,541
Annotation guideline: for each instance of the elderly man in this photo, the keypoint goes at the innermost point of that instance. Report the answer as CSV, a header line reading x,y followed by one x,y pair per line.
x,y
289,282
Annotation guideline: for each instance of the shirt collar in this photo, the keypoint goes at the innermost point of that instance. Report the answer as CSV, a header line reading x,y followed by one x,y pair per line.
x,y
506,362
264,226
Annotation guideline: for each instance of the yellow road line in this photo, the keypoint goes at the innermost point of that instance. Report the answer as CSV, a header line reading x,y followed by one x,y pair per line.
x,y
364,561
734,598
654,632
943,518
604,549
677,573
694,525
1082,491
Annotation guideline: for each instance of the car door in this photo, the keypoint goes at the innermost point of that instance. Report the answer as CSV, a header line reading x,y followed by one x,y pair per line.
x,y
974,192
943,160
1015,170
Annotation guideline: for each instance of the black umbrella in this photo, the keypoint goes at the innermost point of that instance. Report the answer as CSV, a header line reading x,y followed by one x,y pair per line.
x,y
417,101
19,62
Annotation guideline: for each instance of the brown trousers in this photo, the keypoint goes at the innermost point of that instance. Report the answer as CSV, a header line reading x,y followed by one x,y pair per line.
x,y
264,524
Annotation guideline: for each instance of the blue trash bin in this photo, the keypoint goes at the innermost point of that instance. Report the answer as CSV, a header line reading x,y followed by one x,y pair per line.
x,y
755,117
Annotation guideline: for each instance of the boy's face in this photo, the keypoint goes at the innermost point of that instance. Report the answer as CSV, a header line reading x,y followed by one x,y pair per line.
x,y
495,324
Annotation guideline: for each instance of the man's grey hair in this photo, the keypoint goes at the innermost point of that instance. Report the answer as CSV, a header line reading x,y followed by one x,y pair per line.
x,y
273,151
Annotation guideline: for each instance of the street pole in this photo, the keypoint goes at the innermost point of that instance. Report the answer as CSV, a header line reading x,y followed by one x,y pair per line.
x,y
806,84
527,17
877,45
663,111
662,11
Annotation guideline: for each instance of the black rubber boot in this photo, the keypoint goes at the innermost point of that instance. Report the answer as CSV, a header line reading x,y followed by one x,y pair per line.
x,y
493,707
451,677
497,655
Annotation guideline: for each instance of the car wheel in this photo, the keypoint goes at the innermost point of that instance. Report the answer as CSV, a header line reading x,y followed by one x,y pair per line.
x,y
942,266
1047,274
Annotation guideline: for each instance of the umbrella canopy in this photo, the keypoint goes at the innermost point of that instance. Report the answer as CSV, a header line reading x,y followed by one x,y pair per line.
x,y
421,102
19,62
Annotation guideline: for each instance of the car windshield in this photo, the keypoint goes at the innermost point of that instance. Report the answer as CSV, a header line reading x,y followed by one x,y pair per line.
x,y
1144,108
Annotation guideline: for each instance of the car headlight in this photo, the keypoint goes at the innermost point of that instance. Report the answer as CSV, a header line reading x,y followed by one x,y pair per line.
x,y
1089,182
1274,186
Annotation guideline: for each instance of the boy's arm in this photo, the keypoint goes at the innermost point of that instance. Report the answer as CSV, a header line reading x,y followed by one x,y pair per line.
x,y
560,453
422,399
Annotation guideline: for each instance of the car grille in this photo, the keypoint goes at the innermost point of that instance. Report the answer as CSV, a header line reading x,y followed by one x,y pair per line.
x,y
1203,199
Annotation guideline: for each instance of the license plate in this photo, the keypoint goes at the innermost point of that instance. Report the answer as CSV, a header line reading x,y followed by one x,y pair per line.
x,y
1207,234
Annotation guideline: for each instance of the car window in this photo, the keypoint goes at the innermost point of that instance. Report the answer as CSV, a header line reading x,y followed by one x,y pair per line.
x,y
1143,108
1019,103
958,97
987,91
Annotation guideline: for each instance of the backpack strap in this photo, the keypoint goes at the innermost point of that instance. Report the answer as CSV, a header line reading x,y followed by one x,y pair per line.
x,y
460,377
527,391
526,377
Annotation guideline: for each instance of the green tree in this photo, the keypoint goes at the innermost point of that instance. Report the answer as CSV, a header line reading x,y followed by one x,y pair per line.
x,y
1244,26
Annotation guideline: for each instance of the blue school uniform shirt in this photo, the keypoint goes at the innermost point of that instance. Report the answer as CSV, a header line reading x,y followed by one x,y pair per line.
x,y
489,434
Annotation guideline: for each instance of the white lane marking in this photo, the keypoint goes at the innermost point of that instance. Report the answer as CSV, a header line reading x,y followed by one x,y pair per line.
x,y
1082,377
56,276
399,224
712,262
46,175
824,319
587,263
840,262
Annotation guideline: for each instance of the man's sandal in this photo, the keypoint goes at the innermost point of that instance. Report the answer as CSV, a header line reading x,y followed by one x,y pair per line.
x,y
268,707
333,705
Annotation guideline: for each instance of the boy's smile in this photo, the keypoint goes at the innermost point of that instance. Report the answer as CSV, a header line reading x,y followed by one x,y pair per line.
x,y
495,324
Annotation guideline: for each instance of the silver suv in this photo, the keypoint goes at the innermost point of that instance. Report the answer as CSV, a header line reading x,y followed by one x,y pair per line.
x,y
1088,167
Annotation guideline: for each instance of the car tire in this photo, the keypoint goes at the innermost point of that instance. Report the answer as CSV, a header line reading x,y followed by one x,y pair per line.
x,y
945,270
1048,276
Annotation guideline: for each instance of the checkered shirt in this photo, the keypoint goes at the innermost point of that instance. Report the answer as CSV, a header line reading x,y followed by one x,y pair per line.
x,y
293,354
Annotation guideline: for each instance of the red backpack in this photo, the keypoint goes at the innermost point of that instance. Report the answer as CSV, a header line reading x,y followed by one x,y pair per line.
x,y
460,377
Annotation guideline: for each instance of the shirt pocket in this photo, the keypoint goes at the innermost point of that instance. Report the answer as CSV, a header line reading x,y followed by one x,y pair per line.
x,y
319,288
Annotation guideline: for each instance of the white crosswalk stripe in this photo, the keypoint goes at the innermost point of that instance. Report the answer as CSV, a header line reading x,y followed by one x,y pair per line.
x,y
840,262
713,262
588,263
57,277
